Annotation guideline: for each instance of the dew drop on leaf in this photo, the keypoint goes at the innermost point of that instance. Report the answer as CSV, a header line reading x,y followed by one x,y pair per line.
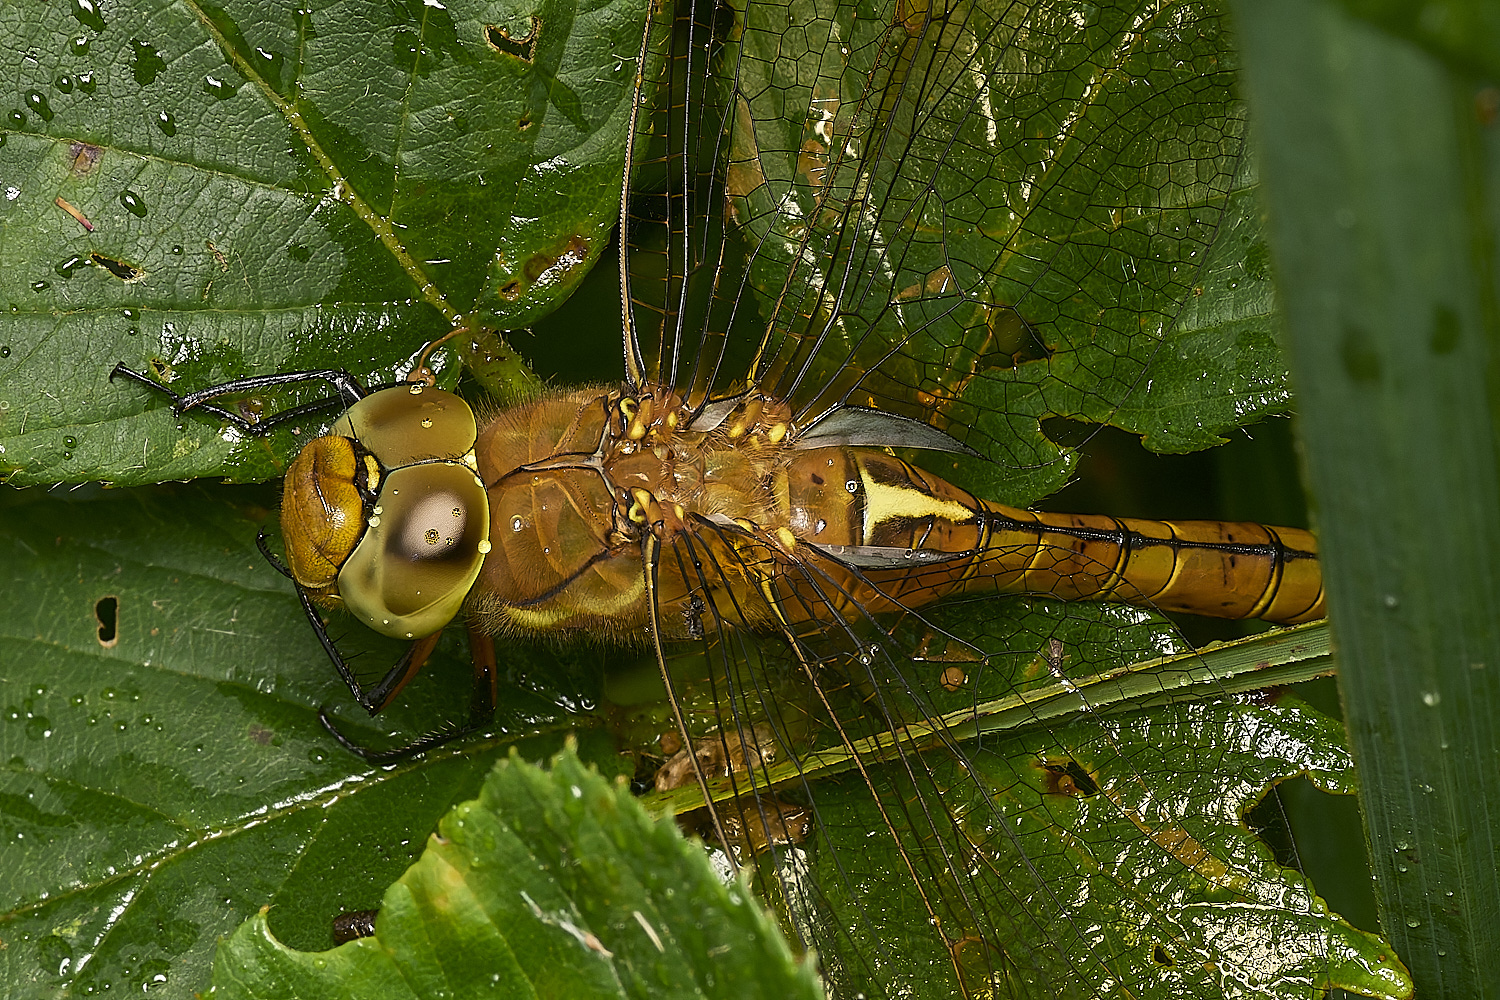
x,y
220,89
88,14
38,103
146,63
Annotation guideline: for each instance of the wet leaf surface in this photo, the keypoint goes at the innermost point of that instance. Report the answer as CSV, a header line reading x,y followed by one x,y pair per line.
x,y
551,883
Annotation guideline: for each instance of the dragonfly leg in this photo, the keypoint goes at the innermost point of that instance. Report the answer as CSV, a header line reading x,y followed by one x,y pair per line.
x,y
481,703
349,391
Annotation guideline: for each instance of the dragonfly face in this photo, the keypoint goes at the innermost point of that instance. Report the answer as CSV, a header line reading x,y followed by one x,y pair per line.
x,y
386,514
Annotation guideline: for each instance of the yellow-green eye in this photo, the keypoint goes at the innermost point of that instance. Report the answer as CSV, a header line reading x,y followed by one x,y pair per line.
x,y
405,567
425,543
410,423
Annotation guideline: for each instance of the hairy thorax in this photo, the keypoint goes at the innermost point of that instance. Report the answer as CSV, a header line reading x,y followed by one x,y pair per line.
x,y
585,486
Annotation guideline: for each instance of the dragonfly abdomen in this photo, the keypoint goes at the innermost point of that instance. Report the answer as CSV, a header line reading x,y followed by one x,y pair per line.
x,y
917,538
1223,569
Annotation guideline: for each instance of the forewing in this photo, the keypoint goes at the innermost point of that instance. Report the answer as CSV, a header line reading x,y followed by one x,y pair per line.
x,y
978,216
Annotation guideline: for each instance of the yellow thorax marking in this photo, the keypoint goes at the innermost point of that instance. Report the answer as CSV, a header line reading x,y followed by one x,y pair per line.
x,y
544,619
884,502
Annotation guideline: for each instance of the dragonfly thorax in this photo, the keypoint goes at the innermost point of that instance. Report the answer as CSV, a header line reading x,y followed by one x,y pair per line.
x,y
578,480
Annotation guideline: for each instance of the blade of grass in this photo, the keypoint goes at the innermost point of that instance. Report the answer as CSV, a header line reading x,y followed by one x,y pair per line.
x,y
1269,659
1380,170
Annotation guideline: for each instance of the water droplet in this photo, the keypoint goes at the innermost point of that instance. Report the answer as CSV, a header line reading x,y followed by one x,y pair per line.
x,y
40,286
177,250
146,63
1402,845
88,15
38,103
1431,698
87,83
129,313
70,442
270,64
65,83
132,332
66,268
1413,922
220,89
133,203
5,351
81,45
16,118
1391,600
166,123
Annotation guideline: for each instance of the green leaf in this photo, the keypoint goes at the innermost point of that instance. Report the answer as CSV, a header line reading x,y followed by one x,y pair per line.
x,y
166,776
1164,879
1382,179
1059,221
215,191
552,883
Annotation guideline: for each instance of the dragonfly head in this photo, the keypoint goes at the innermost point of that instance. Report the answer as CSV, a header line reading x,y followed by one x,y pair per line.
x,y
386,512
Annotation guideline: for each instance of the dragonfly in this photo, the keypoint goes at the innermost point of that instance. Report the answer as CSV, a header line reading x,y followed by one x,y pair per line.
x,y
978,208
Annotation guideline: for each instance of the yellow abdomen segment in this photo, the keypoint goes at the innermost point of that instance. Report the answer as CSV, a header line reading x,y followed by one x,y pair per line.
x,y
912,538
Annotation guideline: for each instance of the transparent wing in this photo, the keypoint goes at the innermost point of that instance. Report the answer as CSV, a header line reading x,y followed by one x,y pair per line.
x,y
978,217
1083,855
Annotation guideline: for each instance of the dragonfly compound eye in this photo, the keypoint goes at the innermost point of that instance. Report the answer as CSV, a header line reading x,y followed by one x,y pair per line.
x,y
404,564
409,574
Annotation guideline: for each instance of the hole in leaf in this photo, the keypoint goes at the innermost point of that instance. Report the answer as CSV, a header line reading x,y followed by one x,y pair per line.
x,y
522,48
127,273
1068,777
1067,432
106,612
354,924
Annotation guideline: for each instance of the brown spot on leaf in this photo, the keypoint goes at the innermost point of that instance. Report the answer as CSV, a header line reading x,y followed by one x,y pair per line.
x,y
83,157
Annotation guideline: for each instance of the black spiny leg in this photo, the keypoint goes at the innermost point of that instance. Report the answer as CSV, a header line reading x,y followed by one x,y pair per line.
x,y
481,703
348,389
